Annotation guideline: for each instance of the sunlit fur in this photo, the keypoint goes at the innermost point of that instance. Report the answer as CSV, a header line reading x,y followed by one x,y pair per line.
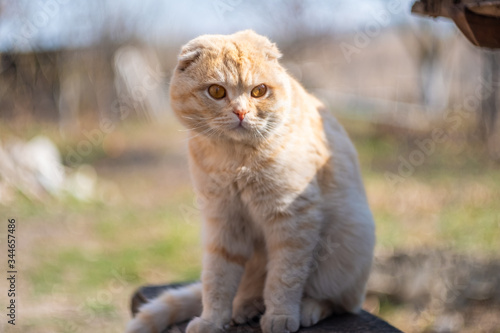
x,y
287,228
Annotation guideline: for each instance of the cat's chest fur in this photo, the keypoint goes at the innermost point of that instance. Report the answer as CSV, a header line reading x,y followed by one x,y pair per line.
x,y
261,182
231,171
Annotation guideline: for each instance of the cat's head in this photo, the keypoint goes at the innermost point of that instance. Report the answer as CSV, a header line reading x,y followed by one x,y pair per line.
x,y
231,87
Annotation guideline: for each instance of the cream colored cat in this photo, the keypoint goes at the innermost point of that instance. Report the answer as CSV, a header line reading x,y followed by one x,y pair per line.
x,y
287,228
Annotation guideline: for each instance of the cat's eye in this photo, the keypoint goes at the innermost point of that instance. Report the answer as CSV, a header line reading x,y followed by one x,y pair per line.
x,y
216,91
259,91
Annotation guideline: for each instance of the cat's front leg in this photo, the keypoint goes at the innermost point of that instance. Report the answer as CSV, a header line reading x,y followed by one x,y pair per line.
x,y
290,243
226,252
249,302
221,276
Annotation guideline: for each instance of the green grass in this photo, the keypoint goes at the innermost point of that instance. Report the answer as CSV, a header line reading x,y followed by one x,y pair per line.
x,y
161,238
481,232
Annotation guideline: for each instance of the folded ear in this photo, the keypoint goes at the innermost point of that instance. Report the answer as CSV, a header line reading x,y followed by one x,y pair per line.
x,y
189,54
271,50
262,43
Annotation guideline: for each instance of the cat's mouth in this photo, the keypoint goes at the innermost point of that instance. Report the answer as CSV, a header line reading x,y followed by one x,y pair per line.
x,y
241,130
245,130
241,126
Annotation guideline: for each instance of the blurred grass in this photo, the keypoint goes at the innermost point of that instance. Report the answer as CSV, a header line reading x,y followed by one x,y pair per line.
x,y
83,259
450,200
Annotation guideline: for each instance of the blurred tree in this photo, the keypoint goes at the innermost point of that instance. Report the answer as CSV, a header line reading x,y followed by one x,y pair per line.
x,y
425,46
489,105
71,75
488,118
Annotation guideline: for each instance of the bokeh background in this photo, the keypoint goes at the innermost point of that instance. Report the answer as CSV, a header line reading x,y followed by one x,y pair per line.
x,y
93,162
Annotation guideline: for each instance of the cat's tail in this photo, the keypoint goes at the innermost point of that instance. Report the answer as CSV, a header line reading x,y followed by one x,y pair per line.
x,y
171,307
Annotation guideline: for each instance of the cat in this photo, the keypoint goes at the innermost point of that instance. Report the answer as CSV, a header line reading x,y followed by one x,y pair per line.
x,y
288,232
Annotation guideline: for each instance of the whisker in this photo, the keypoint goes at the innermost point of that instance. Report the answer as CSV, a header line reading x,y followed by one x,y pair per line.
x,y
198,134
196,117
193,128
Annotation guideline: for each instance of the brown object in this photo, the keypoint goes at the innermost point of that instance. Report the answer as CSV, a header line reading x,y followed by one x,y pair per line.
x,y
479,20
364,322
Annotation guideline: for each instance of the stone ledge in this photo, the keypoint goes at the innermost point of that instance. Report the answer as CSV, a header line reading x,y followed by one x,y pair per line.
x,y
364,322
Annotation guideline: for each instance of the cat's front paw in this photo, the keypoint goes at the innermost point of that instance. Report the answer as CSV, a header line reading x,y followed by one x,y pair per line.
x,y
274,323
248,310
313,311
198,325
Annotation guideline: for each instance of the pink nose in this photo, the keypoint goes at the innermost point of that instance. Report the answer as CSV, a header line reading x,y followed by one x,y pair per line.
x,y
240,113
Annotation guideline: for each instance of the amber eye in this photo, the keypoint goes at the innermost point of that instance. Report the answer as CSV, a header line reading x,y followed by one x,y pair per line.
x,y
217,91
259,91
